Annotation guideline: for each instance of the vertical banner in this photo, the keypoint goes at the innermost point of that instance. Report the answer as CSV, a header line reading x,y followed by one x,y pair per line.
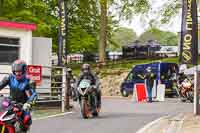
x,y
60,47
198,20
189,37
62,51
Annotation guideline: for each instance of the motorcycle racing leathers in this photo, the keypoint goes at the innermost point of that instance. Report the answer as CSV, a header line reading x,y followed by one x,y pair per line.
x,y
95,82
18,90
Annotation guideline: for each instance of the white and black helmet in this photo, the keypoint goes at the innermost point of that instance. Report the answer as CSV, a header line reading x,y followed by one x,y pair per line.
x,y
85,68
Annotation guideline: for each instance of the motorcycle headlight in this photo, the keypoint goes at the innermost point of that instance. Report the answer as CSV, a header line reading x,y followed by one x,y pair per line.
x,y
83,89
80,91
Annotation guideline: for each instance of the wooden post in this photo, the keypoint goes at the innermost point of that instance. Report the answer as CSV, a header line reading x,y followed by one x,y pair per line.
x,y
63,89
67,91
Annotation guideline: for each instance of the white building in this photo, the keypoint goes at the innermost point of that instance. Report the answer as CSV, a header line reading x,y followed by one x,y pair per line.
x,y
16,42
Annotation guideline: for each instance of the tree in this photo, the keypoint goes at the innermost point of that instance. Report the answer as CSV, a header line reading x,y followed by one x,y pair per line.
x,y
83,20
103,31
153,17
83,25
120,37
32,11
163,37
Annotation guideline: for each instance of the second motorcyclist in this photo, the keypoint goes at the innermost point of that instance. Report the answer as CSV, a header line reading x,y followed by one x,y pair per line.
x,y
86,73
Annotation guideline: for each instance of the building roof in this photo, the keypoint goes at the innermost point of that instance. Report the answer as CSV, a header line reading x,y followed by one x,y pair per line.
x,y
152,43
138,44
134,44
17,25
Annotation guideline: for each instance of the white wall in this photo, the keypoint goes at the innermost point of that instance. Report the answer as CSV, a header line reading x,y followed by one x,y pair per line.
x,y
25,52
41,55
41,52
32,50
3,70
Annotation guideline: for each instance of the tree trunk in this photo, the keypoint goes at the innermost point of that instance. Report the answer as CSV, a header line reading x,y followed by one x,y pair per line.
x,y
103,31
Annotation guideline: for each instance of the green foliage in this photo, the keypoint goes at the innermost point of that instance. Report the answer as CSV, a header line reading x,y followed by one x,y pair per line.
x,y
129,8
163,37
32,11
81,41
84,21
148,13
83,25
170,9
120,37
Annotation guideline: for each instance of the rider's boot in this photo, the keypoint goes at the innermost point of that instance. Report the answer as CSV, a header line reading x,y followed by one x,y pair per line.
x,y
26,123
99,101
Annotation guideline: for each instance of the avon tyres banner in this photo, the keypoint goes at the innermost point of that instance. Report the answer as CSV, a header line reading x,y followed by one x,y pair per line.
x,y
189,43
62,30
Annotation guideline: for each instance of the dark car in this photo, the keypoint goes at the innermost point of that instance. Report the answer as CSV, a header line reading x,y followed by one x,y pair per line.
x,y
162,70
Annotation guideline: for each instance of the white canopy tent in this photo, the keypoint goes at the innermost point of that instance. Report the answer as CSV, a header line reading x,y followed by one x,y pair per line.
x,y
190,71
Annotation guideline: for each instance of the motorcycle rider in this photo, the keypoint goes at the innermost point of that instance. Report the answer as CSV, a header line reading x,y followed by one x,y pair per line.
x,y
22,90
86,73
72,80
173,78
150,77
181,78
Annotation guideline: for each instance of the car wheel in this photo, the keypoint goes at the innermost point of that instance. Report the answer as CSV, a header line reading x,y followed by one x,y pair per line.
x,y
124,93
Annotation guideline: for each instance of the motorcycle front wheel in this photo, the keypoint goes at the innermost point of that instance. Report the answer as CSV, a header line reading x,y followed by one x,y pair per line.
x,y
84,108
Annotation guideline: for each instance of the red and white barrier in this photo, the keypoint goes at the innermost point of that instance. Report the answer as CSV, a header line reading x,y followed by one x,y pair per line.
x,y
160,92
140,92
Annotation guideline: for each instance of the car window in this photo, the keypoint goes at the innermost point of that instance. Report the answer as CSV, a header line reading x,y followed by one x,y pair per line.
x,y
139,75
129,77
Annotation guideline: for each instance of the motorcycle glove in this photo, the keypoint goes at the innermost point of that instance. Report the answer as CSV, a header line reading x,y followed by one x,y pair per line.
x,y
26,106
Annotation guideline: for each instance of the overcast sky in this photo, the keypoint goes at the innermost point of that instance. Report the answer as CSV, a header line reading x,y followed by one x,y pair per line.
x,y
140,27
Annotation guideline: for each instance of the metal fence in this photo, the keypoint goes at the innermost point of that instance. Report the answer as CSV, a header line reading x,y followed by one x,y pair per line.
x,y
53,88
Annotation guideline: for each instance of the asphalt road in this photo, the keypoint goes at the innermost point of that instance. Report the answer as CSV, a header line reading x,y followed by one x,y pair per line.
x,y
118,116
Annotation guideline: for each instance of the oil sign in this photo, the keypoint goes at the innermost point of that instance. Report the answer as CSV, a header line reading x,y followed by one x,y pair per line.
x,y
35,73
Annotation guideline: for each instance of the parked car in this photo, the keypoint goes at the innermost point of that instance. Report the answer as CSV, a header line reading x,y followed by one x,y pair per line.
x,y
162,71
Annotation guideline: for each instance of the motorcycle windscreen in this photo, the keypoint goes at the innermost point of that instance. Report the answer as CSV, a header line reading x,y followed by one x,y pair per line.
x,y
84,83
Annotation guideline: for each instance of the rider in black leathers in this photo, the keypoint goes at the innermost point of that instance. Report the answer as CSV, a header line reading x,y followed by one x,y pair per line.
x,y
86,73
181,77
